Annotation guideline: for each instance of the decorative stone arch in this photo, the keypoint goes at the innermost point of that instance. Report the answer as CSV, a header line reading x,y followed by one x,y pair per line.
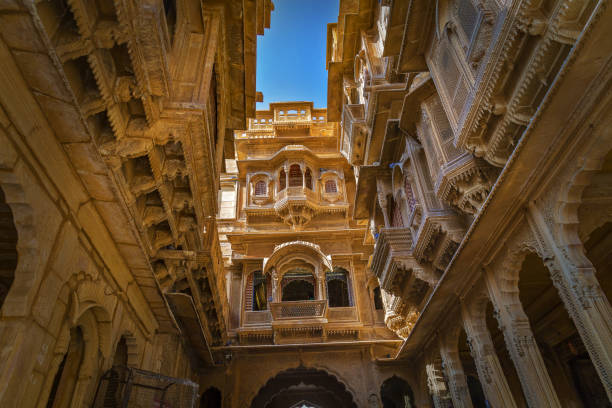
x,y
303,250
565,222
310,376
396,381
94,319
503,274
502,280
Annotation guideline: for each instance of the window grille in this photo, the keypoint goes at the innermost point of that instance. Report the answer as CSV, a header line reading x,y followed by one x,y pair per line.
x,y
308,179
338,292
282,180
260,188
331,187
410,198
468,17
396,214
378,304
295,176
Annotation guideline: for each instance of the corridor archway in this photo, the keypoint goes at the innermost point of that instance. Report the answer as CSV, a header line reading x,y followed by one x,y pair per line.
x,y
211,398
396,393
569,366
306,385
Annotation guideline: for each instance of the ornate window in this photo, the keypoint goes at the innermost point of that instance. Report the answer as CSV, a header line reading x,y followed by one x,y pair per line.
x,y
295,176
298,286
257,292
308,178
395,213
331,186
260,293
282,180
338,288
378,303
260,188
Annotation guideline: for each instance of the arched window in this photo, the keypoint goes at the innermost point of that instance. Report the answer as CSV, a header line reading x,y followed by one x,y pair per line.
x,y
331,187
308,178
67,373
260,292
338,288
260,188
295,176
298,286
378,304
396,214
282,180
8,248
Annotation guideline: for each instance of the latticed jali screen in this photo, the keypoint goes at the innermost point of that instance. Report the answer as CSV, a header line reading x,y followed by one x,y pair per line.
x,y
124,387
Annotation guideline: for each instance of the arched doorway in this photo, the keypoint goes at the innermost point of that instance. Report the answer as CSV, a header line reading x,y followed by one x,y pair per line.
x,y
8,248
303,386
396,393
211,398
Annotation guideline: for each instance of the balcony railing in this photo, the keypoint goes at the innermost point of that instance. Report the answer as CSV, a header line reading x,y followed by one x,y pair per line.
x,y
299,310
299,193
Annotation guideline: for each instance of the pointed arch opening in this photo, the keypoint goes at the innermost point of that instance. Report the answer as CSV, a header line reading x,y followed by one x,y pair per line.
x,y
396,393
317,387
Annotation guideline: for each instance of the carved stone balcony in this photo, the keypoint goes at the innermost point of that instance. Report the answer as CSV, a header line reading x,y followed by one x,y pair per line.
x,y
392,253
397,269
298,205
299,311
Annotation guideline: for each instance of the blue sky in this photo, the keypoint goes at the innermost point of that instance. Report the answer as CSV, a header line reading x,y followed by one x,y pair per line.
x,y
291,54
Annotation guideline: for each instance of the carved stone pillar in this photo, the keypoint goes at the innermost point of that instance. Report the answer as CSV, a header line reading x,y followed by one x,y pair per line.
x,y
320,288
275,286
437,386
523,349
457,383
490,372
582,296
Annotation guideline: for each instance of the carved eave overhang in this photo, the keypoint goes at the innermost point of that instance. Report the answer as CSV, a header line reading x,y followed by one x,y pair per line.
x,y
411,109
385,104
244,20
365,193
580,95
395,28
188,318
291,152
417,32
343,39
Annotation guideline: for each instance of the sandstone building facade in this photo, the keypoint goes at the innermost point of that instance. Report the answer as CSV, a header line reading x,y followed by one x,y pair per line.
x,y
439,236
